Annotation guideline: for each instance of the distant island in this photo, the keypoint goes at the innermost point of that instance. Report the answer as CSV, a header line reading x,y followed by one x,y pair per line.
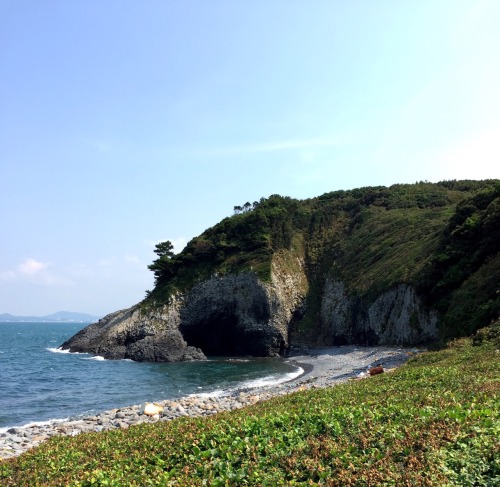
x,y
61,316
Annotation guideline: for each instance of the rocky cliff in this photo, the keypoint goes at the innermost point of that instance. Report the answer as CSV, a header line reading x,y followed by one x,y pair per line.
x,y
239,315
397,316
229,315
403,265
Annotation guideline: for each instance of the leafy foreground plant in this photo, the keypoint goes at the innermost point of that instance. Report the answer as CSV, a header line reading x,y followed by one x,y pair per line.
x,y
435,421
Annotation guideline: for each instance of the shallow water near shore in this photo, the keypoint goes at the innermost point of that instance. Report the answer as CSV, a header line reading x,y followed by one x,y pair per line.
x,y
39,382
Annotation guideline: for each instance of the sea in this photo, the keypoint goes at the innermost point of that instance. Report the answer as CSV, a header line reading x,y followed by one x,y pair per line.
x,y
39,382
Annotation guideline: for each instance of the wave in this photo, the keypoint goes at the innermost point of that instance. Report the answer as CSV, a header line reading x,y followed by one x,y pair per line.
x,y
34,423
95,357
216,393
60,350
271,380
99,358
266,381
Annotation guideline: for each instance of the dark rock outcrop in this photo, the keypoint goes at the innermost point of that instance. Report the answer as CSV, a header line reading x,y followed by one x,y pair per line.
x,y
232,316
133,334
240,315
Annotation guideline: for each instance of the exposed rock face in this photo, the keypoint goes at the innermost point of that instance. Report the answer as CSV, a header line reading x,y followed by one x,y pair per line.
x,y
133,334
230,315
240,315
396,317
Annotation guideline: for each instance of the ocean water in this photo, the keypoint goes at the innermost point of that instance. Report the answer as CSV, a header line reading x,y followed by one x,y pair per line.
x,y
39,382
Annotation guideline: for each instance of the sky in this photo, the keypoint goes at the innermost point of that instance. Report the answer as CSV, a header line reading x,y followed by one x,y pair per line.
x,y
127,123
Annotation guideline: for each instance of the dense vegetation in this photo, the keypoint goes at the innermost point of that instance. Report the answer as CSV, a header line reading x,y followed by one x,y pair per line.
x,y
442,238
434,421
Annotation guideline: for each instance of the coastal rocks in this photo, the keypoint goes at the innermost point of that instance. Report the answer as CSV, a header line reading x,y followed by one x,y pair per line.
x,y
239,314
151,336
17,440
236,314
397,316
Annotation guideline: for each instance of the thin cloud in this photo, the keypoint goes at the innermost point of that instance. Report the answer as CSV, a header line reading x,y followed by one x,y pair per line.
x,y
7,275
478,12
106,262
32,266
284,145
102,146
132,259
35,272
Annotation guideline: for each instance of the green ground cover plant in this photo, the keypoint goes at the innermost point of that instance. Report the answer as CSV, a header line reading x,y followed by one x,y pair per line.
x,y
434,421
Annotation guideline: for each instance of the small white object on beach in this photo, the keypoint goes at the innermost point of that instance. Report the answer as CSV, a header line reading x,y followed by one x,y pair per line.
x,y
151,409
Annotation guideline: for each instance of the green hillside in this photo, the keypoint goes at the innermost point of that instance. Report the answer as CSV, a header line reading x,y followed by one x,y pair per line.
x,y
441,238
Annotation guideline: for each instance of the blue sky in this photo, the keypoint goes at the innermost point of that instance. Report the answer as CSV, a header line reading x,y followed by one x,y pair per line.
x,y
125,123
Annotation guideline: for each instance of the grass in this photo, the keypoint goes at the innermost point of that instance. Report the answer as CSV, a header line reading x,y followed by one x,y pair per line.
x,y
390,247
434,421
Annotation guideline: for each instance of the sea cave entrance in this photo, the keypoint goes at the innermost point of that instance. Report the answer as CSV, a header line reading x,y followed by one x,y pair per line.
x,y
222,335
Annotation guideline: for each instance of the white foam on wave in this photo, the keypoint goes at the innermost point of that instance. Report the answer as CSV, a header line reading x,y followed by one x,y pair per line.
x,y
269,380
216,393
95,357
34,423
60,350
272,380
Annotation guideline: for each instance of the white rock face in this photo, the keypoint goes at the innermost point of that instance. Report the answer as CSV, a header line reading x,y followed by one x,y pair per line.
x,y
287,291
396,317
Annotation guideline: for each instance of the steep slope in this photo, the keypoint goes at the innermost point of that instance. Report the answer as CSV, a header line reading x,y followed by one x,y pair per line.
x,y
407,264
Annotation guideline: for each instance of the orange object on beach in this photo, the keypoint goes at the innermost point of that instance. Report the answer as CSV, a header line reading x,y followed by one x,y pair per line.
x,y
376,370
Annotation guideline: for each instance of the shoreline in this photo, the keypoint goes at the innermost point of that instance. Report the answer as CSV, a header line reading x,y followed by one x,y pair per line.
x,y
322,367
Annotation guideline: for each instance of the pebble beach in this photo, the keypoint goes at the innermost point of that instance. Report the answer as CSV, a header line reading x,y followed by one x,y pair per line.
x,y
323,367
